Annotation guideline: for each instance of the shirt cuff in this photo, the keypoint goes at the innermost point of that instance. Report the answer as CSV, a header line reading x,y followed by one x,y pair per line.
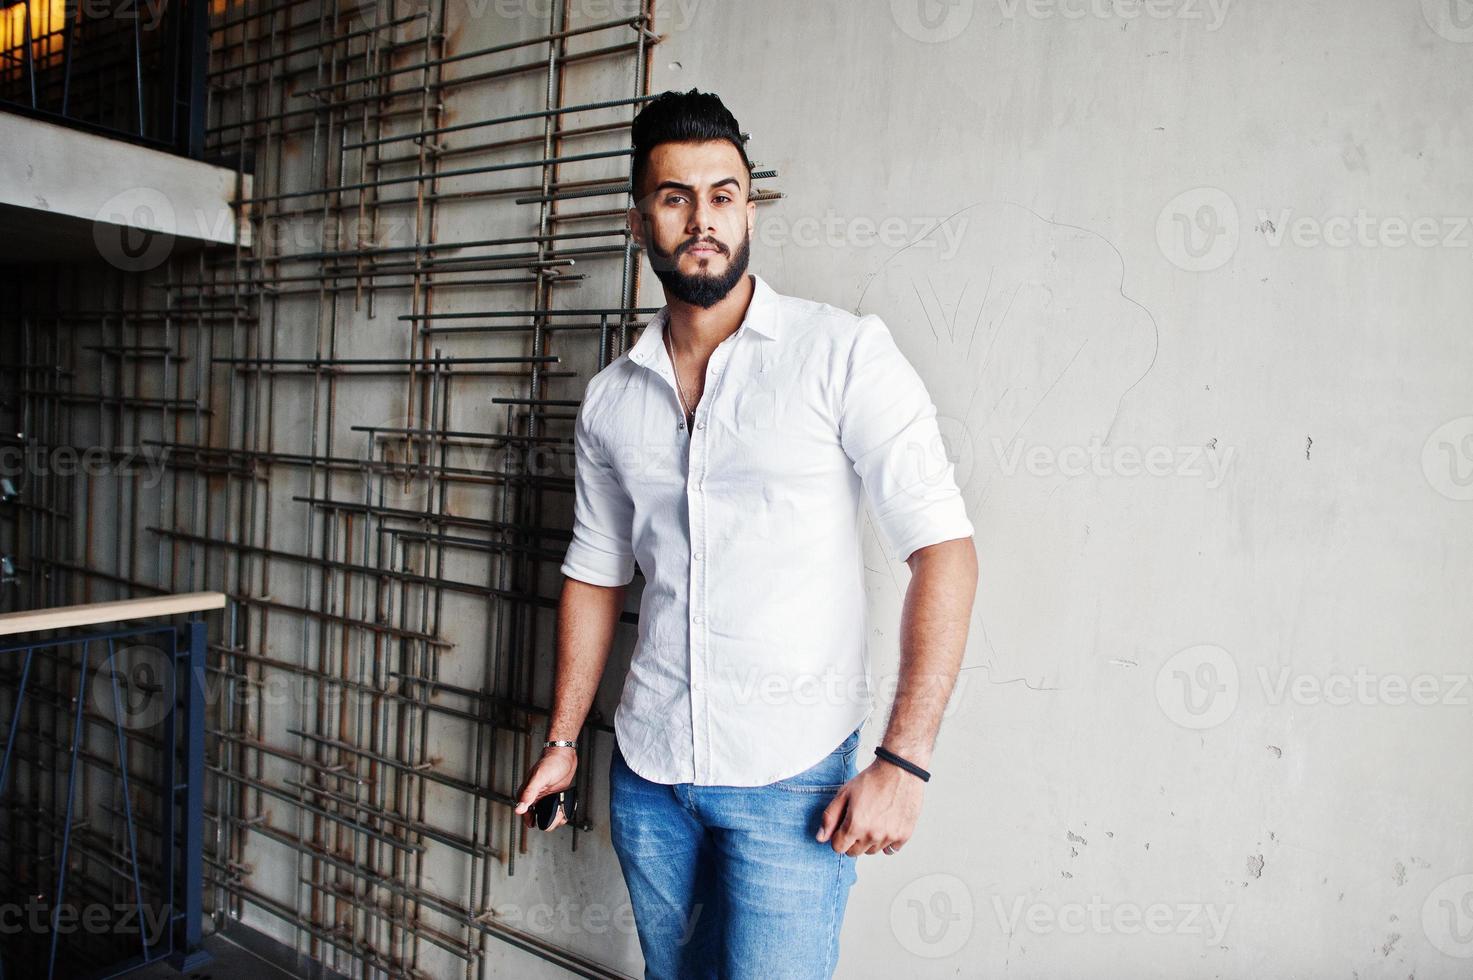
x,y
588,564
941,519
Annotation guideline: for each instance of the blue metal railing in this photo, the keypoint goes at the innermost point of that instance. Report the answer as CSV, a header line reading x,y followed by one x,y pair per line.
x,y
87,888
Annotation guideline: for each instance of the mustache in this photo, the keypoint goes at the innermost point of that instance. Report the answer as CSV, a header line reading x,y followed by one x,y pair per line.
x,y
696,243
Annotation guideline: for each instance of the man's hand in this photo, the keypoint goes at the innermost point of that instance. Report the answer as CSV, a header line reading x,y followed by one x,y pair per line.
x,y
876,810
553,772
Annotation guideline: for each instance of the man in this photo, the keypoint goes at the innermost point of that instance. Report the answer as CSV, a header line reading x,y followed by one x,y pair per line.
x,y
725,454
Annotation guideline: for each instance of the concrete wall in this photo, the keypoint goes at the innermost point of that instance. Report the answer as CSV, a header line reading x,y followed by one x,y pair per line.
x,y
1189,285
1215,706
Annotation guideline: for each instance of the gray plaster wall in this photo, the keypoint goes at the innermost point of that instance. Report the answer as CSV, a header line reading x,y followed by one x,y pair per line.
x,y
1190,285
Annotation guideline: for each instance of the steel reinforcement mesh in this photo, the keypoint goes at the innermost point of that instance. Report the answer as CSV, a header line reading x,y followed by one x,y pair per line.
x,y
358,427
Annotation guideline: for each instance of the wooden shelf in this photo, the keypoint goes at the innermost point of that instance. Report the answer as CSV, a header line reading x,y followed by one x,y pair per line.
x,y
65,617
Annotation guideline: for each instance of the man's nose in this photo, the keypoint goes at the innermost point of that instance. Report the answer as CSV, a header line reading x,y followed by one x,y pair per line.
x,y
700,217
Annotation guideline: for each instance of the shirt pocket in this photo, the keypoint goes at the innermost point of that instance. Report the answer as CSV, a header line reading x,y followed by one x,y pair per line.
x,y
776,515
756,408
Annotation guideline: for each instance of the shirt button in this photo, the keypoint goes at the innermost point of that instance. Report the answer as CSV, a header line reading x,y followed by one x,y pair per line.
x,y
697,686
700,425
699,555
698,618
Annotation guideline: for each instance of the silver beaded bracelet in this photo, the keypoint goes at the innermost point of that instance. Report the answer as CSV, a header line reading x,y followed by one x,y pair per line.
x,y
550,743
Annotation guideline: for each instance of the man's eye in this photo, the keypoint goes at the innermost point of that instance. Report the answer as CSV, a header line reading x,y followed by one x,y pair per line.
x,y
722,197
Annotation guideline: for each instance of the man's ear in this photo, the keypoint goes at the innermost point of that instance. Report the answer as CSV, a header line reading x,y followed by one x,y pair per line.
x,y
636,225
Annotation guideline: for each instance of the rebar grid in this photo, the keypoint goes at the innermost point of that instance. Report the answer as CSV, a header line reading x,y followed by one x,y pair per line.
x,y
384,495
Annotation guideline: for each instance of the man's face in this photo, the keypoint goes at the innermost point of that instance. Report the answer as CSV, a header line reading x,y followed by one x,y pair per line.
x,y
695,220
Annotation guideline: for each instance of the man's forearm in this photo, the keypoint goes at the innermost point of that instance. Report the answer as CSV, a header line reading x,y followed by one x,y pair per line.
x,y
587,615
933,640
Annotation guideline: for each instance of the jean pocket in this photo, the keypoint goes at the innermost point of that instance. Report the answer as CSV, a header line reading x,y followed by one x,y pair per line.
x,y
793,784
829,775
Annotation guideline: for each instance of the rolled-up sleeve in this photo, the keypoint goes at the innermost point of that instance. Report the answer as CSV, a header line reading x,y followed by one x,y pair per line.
x,y
888,429
601,552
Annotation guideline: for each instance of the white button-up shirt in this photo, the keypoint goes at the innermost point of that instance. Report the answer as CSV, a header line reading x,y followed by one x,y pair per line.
x,y
751,663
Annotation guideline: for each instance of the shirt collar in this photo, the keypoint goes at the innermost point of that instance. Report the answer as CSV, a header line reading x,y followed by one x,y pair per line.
x,y
763,316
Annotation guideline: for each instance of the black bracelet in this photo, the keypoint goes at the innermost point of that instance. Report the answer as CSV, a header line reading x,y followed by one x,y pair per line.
x,y
906,764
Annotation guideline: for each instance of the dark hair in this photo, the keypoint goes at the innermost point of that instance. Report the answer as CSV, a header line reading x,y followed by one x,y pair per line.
x,y
674,117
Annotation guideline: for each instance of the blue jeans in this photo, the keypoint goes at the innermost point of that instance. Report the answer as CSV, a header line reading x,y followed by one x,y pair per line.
x,y
728,881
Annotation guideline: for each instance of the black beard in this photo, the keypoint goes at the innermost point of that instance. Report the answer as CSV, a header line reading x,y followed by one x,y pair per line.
x,y
701,289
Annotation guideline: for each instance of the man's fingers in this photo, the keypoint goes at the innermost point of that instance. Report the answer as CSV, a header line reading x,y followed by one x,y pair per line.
x,y
832,814
530,793
844,834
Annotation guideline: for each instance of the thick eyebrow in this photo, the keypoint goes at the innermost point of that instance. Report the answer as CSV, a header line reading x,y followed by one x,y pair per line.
x,y
676,185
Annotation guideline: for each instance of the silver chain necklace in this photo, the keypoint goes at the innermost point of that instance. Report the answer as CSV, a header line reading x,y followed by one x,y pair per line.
x,y
679,388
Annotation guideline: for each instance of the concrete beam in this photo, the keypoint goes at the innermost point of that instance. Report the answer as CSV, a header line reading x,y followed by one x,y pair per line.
x,y
68,194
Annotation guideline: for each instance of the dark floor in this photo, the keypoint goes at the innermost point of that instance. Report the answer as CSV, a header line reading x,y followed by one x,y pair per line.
x,y
231,962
